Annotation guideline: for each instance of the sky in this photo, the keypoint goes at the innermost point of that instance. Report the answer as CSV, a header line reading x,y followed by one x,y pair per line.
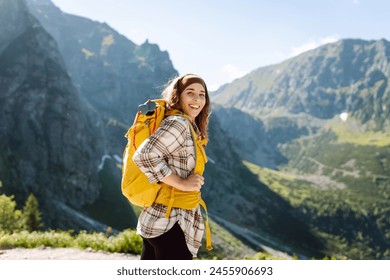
x,y
222,40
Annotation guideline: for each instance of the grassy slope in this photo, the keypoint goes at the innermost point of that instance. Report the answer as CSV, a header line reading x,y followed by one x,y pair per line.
x,y
339,181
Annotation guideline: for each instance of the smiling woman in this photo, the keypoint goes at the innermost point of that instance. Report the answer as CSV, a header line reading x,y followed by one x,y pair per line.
x,y
174,156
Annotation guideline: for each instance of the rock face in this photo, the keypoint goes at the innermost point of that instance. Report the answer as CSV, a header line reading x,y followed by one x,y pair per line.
x,y
67,97
49,140
112,73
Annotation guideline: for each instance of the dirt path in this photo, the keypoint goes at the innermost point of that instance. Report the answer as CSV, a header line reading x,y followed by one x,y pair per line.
x,y
61,254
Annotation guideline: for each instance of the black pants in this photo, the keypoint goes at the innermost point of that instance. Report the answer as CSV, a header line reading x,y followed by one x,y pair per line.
x,y
168,246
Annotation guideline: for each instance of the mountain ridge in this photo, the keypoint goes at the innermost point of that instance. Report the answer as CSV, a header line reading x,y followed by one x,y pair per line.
x,y
322,83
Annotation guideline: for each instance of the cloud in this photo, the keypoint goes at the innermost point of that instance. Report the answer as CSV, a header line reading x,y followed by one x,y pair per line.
x,y
313,44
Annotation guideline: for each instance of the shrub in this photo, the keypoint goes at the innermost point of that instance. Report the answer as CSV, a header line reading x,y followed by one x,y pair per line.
x,y
35,239
125,242
9,216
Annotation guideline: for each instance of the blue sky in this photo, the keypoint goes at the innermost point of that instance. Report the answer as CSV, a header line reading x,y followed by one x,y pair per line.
x,y
223,40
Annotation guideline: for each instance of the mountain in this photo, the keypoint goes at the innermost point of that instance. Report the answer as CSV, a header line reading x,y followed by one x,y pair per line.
x,y
349,75
112,73
297,97
260,147
48,136
321,124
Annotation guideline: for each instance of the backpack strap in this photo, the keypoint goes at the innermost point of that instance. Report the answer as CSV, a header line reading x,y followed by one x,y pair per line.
x,y
154,123
198,170
135,131
207,226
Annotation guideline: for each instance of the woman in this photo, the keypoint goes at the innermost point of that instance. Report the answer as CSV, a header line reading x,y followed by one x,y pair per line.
x,y
169,156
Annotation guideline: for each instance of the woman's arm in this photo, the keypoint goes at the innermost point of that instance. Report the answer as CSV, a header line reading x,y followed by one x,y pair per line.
x,y
149,157
193,182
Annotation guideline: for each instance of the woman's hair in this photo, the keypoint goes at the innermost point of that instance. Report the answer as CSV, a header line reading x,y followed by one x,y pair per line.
x,y
172,93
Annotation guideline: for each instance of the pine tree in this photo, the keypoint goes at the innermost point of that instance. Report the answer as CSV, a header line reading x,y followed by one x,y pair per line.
x,y
31,215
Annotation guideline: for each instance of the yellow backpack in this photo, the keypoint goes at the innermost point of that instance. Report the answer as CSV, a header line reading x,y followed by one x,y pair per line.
x,y
135,184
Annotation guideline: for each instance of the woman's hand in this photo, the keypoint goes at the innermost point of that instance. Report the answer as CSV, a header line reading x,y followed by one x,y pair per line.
x,y
193,182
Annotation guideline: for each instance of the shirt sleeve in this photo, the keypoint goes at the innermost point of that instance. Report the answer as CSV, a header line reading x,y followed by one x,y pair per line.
x,y
152,155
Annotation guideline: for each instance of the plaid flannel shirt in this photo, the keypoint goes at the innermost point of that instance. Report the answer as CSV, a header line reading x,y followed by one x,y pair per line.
x,y
170,149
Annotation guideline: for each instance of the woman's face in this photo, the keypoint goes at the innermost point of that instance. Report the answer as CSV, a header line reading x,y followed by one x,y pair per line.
x,y
192,100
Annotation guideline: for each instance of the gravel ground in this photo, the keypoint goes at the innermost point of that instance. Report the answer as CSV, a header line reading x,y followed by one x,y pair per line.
x,y
61,254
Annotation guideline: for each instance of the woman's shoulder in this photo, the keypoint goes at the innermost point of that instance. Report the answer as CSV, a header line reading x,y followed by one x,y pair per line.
x,y
176,119
175,124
